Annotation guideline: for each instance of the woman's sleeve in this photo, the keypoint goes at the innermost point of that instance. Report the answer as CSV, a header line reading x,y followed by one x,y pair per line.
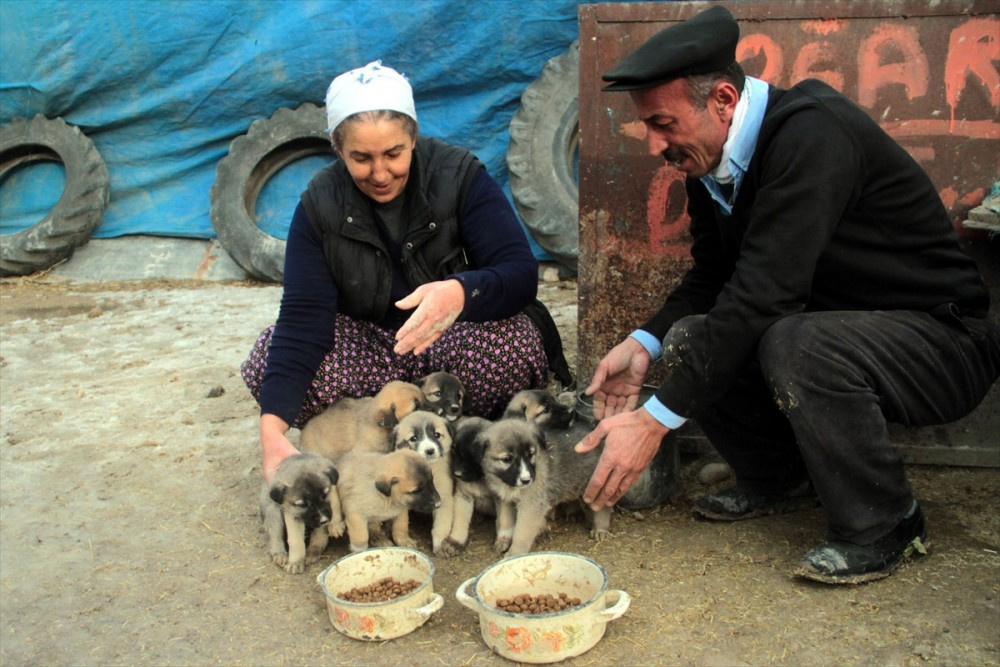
x,y
504,277
304,333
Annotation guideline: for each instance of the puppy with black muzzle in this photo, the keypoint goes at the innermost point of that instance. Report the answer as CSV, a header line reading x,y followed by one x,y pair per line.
x,y
471,492
444,394
301,502
376,487
539,407
364,424
528,478
430,435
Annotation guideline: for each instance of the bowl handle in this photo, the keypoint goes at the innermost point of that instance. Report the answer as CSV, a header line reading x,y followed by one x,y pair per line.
x,y
463,597
423,613
619,607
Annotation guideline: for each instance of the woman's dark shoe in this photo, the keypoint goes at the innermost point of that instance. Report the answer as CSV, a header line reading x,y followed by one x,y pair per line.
x,y
846,563
735,504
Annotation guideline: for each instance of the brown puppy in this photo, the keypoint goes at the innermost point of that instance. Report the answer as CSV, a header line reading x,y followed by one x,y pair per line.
x,y
429,435
444,394
377,487
528,478
300,503
471,491
540,407
364,424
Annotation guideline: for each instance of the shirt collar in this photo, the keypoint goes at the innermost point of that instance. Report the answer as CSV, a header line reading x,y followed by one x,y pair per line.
x,y
724,183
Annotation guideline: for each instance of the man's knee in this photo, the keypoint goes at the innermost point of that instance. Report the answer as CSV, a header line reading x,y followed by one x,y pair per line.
x,y
684,330
787,351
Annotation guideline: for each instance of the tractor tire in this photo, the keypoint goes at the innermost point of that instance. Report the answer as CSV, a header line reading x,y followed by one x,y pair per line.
x,y
80,207
541,157
254,158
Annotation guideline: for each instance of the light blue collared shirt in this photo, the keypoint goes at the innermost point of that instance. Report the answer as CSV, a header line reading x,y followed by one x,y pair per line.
x,y
743,145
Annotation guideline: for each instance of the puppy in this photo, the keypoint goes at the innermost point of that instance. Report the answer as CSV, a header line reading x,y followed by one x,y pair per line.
x,y
364,424
299,503
528,478
540,407
444,394
471,491
376,487
430,435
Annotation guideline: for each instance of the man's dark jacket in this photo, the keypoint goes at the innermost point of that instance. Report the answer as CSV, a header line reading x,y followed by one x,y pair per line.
x,y
832,214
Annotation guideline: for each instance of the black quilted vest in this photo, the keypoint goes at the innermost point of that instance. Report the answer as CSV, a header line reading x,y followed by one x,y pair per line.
x,y
343,219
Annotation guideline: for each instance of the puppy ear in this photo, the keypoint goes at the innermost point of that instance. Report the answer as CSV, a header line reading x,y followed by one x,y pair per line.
x,y
422,381
387,418
277,492
332,474
384,486
539,435
518,410
479,446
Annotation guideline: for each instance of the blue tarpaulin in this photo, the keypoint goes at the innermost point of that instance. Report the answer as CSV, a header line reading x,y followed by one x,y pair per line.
x,y
162,88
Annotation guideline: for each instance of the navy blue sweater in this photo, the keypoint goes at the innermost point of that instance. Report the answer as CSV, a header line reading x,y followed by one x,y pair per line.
x,y
503,281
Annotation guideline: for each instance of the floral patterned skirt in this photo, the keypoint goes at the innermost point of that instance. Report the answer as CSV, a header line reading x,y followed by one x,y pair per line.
x,y
494,360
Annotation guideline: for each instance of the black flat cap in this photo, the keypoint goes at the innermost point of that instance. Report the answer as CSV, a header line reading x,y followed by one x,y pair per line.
x,y
704,43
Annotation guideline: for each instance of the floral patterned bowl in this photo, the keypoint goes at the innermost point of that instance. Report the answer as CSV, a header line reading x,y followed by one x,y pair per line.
x,y
540,638
380,620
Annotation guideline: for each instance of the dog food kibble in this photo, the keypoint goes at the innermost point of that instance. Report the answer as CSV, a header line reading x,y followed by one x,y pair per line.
x,y
382,590
537,604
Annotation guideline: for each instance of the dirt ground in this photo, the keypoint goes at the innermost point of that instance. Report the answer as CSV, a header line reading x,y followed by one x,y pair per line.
x,y
129,532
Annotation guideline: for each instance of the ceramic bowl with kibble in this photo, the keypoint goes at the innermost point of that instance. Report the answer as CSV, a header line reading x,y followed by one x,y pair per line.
x,y
381,593
544,606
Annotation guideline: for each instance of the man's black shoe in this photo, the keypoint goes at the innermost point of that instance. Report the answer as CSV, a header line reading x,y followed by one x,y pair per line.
x,y
735,504
846,563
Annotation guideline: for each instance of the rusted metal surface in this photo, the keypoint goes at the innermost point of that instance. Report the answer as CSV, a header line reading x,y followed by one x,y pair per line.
x,y
928,72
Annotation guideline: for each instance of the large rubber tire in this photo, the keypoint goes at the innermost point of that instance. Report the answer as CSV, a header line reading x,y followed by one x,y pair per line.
x,y
268,146
544,141
80,207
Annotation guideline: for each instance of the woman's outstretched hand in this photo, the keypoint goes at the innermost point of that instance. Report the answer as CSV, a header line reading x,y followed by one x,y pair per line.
x,y
438,305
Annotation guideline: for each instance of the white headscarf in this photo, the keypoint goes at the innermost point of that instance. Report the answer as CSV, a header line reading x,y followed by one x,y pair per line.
x,y
369,88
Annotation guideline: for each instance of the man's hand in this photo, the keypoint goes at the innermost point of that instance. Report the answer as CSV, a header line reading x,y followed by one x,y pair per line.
x,y
275,447
438,305
618,379
631,440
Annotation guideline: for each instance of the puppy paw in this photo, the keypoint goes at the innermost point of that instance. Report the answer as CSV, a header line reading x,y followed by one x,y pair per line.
x,y
336,528
380,540
600,535
295,567
408,542
279,558
501,545
448,548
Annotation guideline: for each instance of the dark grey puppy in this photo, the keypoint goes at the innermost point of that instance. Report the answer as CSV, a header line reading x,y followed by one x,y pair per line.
x,y
444,394
296,509
471,492
528,478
